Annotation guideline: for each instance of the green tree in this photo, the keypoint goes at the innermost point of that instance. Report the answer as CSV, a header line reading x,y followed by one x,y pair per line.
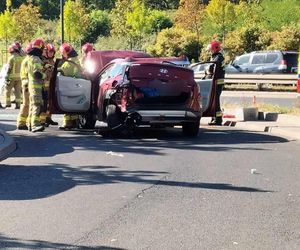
x,y
189,16
50,9
138,23
28,20
76,20
220,18
286,39
175,42
162,4
118,18
7,27
280,13
159,20
98,5
99,25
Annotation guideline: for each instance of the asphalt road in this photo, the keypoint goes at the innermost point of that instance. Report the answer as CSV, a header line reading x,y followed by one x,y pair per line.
x,y
154,190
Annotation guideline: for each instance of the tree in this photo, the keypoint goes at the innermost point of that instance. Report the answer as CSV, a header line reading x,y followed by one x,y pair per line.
x,y
189,16
28,19
7,26
98,5
118,18
175,42
99,25
76,20
137,23
286,39
220,17
159,20
50,9
280,13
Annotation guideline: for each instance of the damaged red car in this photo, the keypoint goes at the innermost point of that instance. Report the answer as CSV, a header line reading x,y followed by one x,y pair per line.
x,y
129,89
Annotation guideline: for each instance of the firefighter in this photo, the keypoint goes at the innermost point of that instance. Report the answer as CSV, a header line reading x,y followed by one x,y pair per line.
x,y
48,60
85,49
22,120
69,68
216,56
13,80
36,77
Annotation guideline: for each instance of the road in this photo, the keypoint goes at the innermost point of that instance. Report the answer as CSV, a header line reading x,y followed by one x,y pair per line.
x,y
156,190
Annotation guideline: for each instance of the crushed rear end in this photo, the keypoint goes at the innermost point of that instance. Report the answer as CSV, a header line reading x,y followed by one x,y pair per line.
x,y
155,93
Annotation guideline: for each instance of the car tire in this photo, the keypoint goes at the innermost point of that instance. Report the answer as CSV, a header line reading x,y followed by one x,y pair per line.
x,y
191,129
86,121
114,120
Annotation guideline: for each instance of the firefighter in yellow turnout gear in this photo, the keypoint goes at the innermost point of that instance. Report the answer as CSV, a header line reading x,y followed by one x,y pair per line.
x,y
22,120
69,68
48,60
36,77
13,80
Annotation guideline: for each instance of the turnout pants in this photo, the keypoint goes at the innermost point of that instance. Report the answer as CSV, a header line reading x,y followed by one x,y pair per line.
x,y
16,85
24,110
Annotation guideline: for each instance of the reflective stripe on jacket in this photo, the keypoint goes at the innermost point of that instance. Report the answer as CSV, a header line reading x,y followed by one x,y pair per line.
x,y
24,69
36,73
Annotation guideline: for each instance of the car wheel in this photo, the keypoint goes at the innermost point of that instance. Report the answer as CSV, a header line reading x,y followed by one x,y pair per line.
x,y
86,121
191,128
114,120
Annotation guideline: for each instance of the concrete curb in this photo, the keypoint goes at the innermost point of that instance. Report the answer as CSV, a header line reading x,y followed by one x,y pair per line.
x,y
7,145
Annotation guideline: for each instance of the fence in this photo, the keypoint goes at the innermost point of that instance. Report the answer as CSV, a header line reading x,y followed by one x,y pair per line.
x,y
258,79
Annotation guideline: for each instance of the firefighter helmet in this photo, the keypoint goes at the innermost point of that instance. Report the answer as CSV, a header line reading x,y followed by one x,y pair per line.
x,y
38,43
86,48
18,45
13,48
214,46
50,48
28,48
65,48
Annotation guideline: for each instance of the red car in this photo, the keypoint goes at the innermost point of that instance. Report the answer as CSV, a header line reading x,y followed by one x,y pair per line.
x,y
131,90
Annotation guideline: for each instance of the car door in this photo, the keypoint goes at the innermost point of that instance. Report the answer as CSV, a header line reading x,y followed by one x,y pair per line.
x,y
207,87
69,94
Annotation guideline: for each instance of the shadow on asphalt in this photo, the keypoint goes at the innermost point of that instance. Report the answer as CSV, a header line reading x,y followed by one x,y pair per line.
x,y
36,182
144,142
7,243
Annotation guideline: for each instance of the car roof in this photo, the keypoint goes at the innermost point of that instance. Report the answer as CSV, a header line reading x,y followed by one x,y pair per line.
x,y
102,57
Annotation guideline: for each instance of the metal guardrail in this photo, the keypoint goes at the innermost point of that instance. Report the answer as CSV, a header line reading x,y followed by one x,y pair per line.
x,y
276,79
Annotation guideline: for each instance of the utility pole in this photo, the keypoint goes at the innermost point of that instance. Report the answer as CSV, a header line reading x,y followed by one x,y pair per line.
x,y
62,20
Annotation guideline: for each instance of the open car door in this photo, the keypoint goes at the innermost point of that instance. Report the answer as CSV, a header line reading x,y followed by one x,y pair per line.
x,y
207,84
69,94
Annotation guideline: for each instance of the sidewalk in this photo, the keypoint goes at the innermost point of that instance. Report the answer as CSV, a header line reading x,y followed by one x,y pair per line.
x,y
7,145
287,126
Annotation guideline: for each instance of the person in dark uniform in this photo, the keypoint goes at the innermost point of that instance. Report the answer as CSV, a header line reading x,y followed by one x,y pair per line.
x,y
216,56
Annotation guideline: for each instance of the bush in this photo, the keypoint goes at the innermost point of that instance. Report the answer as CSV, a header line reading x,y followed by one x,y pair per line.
x,y
175,42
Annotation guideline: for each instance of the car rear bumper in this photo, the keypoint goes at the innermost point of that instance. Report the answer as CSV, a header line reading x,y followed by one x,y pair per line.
x,y
166,116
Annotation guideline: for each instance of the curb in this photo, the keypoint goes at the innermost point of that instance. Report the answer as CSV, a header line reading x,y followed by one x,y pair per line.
x,y
7,145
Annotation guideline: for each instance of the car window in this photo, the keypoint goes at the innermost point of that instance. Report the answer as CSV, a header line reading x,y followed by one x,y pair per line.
x,y
112,71
242,60
258,59
271,58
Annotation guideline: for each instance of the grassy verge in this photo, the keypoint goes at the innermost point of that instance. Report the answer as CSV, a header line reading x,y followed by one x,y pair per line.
x,y
264,87
266,108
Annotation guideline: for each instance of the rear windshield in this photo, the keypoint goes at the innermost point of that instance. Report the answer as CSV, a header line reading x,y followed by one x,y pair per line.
x,y
291,60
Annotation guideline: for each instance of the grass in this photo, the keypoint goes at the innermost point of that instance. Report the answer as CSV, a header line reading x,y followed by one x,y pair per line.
x,y
265,87
266,108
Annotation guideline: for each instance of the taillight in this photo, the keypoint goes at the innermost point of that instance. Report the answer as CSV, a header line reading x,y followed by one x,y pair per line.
x,y
298,84
283,65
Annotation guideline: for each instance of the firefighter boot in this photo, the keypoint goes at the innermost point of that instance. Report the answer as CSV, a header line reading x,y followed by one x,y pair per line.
x,y
49,121
37,129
